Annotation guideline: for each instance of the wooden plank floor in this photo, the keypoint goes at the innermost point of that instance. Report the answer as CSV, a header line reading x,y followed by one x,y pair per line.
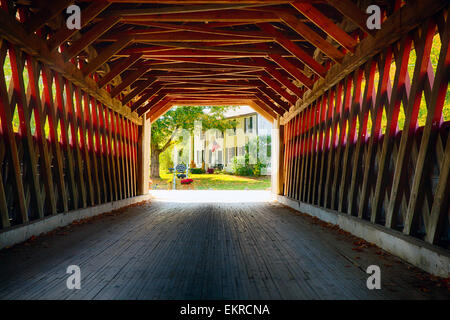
x,y
164,250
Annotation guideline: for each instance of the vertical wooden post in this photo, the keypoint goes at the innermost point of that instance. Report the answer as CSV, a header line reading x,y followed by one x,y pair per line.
x,y
277,165
144,141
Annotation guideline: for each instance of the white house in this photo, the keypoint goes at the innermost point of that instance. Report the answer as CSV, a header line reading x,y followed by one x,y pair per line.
x,y
214,147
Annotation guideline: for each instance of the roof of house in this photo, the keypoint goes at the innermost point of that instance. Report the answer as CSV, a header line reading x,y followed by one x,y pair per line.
x,y
239,111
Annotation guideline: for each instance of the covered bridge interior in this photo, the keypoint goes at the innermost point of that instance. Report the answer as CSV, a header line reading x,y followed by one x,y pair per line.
x,y
360,115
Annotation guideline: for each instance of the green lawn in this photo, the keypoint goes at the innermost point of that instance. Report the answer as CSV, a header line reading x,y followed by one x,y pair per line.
x,y
216,181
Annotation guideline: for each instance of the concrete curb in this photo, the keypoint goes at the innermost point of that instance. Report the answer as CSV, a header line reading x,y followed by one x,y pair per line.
x,y
420,254
21,233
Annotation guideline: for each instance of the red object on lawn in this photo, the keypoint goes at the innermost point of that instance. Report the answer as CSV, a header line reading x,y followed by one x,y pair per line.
x,y
187,181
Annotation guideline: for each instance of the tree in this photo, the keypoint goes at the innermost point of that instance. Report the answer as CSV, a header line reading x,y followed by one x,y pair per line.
x,y
166,130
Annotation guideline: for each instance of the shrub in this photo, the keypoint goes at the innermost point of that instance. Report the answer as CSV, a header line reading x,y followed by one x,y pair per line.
x,y
197,170
257,168
240,169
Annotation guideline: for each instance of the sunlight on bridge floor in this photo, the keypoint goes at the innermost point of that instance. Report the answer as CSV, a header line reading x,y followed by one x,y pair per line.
x,y
221,196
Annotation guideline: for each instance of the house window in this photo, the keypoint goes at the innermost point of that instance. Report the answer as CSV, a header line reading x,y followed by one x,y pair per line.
x,y
248,125
231,154
232,132
210,156
219,157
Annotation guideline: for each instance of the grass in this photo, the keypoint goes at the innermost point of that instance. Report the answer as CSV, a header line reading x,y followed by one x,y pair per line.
x,y
216,181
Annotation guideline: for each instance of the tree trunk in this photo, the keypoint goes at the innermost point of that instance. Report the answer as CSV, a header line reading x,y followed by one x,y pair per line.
x,y
155,164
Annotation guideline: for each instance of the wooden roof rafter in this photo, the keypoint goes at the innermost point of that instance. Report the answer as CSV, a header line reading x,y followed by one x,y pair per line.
x,y
150,50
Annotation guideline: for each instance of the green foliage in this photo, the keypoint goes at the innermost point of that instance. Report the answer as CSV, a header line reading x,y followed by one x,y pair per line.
x,y
240,168
164,129
165,159
177,125
197,170
258,147
257,168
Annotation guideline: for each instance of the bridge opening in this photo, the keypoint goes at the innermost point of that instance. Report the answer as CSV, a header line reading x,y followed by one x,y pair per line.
x,y
357,113
211,148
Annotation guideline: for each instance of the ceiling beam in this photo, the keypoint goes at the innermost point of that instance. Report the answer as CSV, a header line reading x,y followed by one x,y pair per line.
x,y
185,36
199,53
93,10
146,96
263,109
137,90
118,69
313,37
211,16
245,34
273,96
45,14
272,71
104,55
249,48
212,61
295,50
130,79
89,37
352,12
159,110
202,1
156,99
269,103
292,70
326,25
184,8
276,87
